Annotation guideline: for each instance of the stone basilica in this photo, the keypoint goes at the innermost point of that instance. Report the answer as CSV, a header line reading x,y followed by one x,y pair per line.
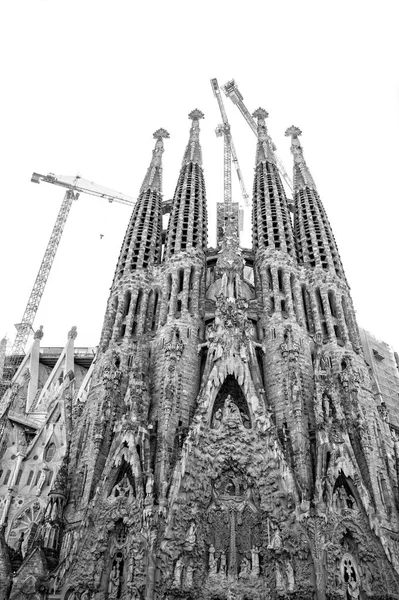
x,y
224,442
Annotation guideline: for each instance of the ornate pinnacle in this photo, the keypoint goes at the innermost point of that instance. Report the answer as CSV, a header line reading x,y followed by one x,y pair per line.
x,y
196,114
260,113
293,131
302,176
160,133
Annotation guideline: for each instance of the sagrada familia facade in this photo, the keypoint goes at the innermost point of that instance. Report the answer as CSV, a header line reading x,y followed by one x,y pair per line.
x,y
225,442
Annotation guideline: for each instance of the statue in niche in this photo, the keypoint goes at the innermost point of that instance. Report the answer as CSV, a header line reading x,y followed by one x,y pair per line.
x,y
276,543
212,560
122,489
255,561
190,537
223,563
290,576
114,582
178,572
188,579
245,568
41,481
231,410
217,419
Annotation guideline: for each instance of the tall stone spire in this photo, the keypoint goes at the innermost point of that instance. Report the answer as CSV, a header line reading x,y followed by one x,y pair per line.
x,y
142,244
271,225
187,227
314,237
193,151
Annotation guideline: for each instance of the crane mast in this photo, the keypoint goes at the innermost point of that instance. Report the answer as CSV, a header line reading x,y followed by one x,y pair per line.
x,y
25,326
74,186
228,139
231,91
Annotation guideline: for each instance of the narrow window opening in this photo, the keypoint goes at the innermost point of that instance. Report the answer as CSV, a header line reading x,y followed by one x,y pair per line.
x,y
181,280
280,280
320,303
331,301
269,278
7,477
138,303
305,308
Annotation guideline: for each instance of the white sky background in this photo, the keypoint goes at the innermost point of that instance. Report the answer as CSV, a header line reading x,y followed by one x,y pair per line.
x,y
86,83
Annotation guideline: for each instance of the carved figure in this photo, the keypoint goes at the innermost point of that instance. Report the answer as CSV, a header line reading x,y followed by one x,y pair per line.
x,y
231,410
191,536
255,561
41,482
290,576
178,572
223,563
188,582
276,542
217,419
114,581
212,560
122,488
245,568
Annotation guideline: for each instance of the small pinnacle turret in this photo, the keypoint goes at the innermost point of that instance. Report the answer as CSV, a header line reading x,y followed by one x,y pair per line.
x,y
302,176
314,238
193,151
153,178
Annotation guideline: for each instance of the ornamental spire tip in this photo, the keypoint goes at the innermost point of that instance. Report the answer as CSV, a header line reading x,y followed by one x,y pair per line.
x,y
196,114
293,131
160,133
260,113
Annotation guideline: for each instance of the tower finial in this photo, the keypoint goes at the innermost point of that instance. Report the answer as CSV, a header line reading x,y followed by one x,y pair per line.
x,y
153,178
265,145
302,176
196,115
193,151
260,114
160,133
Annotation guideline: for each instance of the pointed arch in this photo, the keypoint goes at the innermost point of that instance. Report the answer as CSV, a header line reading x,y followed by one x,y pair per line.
x,y
230,402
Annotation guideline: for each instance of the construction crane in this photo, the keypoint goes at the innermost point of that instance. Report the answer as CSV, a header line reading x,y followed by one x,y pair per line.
x,y
74,187
229,148
231,91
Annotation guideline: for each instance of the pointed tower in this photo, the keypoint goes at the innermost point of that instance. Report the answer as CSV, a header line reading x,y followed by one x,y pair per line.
x,y
285,363
123,359
141,249
182,308
327,302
